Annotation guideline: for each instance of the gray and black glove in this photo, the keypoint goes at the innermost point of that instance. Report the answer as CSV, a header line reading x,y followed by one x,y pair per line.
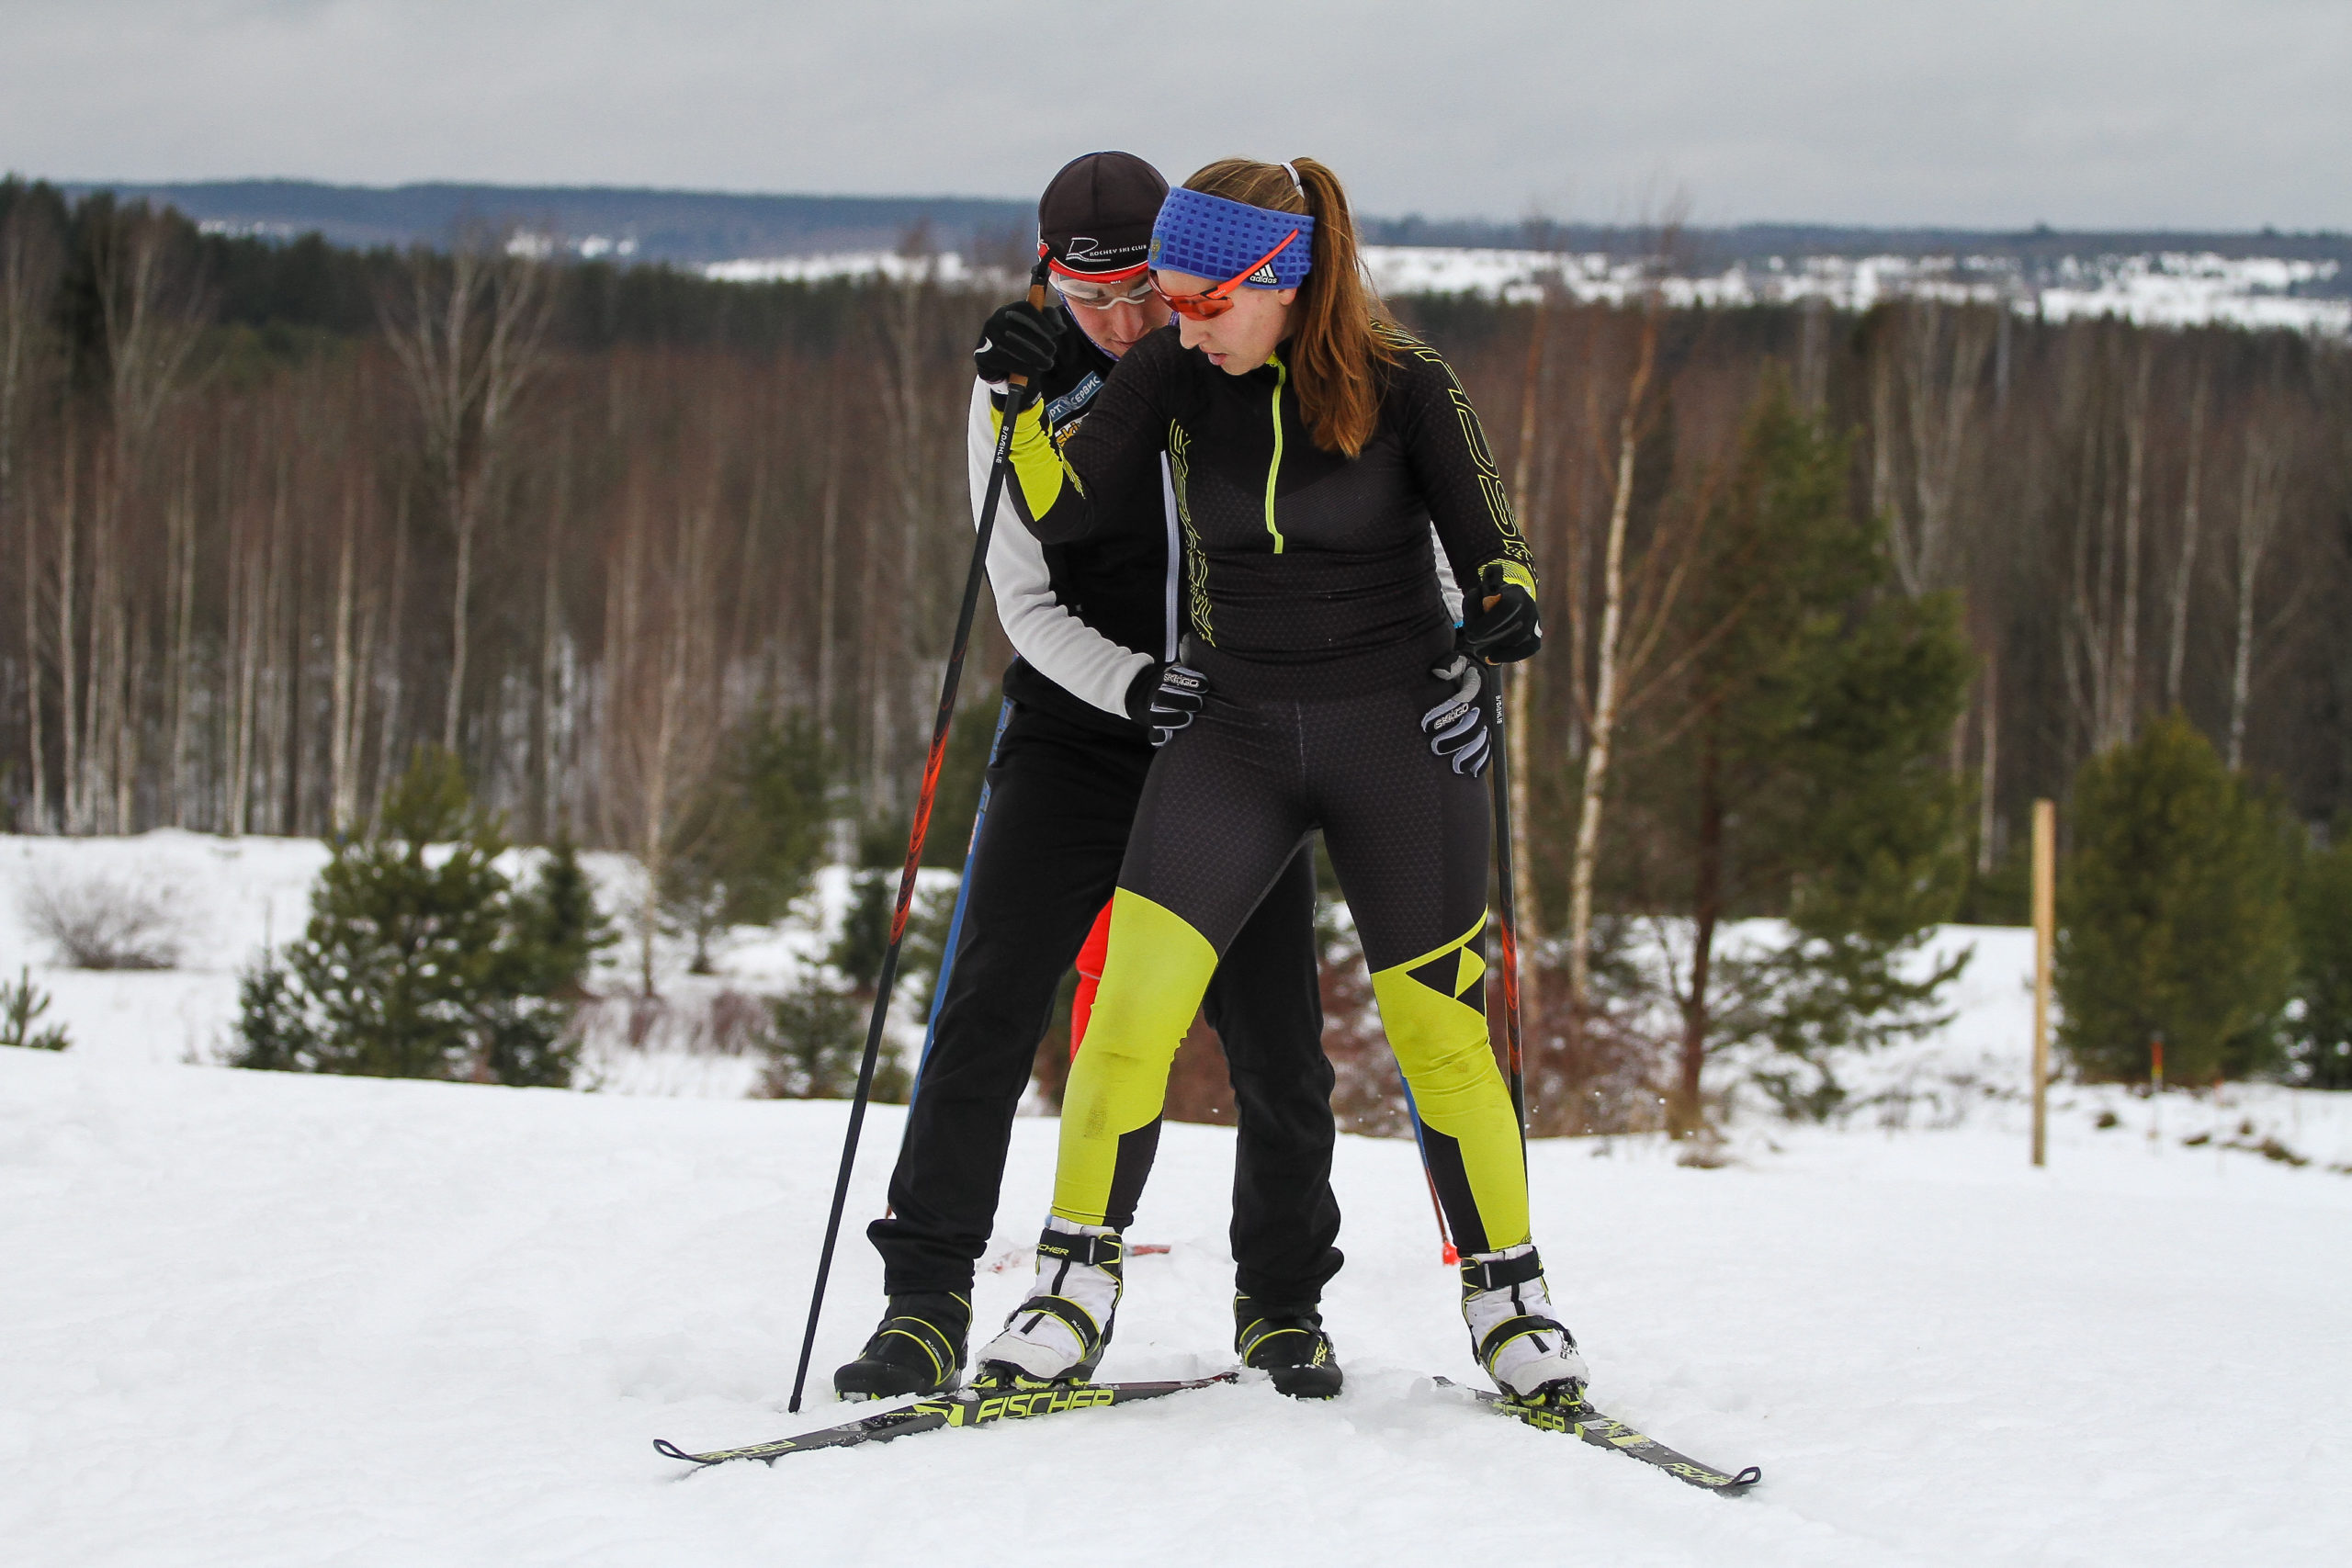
x,y
1164,697
1457,727
1019,339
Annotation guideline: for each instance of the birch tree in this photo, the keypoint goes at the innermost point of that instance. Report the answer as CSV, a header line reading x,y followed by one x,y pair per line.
x,y
30,260
470,337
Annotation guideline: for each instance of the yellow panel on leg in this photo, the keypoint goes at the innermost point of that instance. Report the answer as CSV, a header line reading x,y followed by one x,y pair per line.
x,y
1154,974
1441,1045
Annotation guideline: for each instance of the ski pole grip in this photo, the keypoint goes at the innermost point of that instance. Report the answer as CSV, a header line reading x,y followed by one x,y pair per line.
x,y
1036,302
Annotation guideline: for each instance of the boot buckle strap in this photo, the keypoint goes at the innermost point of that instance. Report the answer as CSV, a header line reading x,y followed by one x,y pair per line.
x,y
1501,1274
1069,1313
1511,1329
1096,1251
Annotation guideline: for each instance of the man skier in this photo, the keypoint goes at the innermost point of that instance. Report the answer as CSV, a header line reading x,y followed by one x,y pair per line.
x,y
1094,689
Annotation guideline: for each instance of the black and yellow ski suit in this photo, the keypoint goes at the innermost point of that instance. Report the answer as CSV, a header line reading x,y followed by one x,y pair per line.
x,y
1317,618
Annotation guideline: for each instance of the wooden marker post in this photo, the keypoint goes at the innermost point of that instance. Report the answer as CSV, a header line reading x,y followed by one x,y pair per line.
x,y
2045,941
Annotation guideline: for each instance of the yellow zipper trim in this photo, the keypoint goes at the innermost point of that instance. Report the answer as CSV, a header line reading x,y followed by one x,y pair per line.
x,y
1274,468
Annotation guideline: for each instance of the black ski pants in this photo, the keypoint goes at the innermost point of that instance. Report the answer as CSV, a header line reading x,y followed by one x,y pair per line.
x,y
1061,800
1233,798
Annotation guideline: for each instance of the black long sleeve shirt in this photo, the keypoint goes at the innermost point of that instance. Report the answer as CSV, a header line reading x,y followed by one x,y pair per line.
x,y
1310,568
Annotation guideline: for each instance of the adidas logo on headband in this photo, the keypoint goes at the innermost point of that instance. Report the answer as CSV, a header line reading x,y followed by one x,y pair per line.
x,y
1264,277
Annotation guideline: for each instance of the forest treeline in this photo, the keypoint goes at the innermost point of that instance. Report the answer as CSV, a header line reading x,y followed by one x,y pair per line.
x,y
273,516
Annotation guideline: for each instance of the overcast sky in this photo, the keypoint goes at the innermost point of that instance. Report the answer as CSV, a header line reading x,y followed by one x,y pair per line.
x,y
1990,113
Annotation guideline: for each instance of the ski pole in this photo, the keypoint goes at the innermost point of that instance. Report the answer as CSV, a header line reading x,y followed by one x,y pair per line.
x,y
956,919
1016,396
1507,920
1446,1253
955,933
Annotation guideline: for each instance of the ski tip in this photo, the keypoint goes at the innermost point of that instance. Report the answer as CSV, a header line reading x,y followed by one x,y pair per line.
x,y
1742,1482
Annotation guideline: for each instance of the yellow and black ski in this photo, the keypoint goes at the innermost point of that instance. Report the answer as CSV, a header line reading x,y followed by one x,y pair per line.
x,y
978,1405
1579,1420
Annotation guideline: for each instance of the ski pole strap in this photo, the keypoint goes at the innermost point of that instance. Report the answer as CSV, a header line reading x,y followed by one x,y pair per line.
x,y
1501,1273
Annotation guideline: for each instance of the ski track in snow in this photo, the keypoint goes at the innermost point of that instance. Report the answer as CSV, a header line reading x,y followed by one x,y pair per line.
x,y
255,1319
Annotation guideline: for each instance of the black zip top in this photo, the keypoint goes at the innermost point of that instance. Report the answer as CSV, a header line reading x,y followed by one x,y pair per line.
x,y
1305,570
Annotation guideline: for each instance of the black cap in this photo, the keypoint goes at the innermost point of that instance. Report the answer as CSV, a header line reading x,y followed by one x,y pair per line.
x,y
1096,215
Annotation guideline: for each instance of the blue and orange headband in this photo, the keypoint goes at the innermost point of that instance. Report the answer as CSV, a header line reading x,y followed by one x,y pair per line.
x,y
1209,236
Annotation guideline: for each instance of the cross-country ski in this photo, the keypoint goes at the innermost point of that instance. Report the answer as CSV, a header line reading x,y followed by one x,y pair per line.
x,y
1579,1419
979,1406
963,1409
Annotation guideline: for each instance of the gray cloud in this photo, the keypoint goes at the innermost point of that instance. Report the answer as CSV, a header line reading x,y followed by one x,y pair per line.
x,y
2180,113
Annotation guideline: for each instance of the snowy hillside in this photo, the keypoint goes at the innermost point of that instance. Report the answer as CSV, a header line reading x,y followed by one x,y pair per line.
x,y
255,1319
2169,289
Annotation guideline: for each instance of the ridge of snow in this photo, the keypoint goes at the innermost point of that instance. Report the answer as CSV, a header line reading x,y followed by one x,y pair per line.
x,y
2171,288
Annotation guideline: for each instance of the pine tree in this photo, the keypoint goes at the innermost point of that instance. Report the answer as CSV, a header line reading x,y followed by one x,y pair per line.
x,y
753,835
558,926
274,1029
819,1038
420,959
555,932
1805,776
21,1006
2174,921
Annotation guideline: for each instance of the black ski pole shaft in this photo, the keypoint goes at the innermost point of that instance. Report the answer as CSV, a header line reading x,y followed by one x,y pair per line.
x,y
1015,398
1507,918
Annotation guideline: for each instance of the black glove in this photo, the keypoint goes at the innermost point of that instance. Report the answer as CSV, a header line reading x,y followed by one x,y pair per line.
x,y
1457,727
1499,624
1019,340
1164,697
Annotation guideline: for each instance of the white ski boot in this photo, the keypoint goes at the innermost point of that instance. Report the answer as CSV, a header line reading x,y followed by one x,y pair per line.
x,y
1060,1332
1528,1352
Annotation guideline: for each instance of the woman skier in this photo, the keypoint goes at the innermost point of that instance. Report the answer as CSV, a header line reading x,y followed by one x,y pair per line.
x,y
1310,444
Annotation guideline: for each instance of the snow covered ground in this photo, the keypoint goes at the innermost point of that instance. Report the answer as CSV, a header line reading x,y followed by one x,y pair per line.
x,y
255,1319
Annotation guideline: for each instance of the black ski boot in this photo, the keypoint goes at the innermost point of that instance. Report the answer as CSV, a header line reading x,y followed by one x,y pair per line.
x,y
1292,1346
919,1348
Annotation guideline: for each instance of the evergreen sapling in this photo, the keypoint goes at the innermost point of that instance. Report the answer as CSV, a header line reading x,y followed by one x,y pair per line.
x,y
421,959
2173,914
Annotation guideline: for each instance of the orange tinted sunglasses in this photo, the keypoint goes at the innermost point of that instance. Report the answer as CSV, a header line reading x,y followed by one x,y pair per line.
x,y
1211,303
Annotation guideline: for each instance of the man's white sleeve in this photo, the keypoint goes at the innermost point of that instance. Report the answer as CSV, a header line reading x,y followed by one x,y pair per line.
x,y
1447,589
1065,650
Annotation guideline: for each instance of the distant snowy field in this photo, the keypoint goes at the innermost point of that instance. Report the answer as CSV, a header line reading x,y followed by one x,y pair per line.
x,y
2173,288
256,1319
